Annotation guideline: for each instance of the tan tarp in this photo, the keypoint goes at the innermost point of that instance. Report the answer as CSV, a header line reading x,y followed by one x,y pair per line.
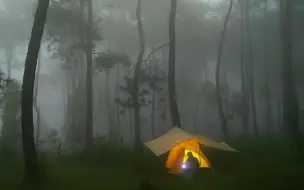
x,y
176,135
214,144
167,141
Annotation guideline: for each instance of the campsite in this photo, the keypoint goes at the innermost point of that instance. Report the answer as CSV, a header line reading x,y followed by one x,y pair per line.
x,y
151,95
259,165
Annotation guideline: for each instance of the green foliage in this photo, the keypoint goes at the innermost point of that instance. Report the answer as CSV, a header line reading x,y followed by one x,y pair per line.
x,y
146,79
260,164
3,84
109,60
66,23
128,89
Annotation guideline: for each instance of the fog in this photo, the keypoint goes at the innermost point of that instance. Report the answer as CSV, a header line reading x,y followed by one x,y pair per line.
x,y
151,94
198,28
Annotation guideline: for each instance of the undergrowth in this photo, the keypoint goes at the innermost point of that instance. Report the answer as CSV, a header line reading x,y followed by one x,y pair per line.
x,y
260,164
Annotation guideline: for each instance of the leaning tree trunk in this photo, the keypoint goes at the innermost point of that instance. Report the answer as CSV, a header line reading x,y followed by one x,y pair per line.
x,y
89,82
290,101
250,74
245,113
135,93
217,74
267,72
27,124
175,117
37,109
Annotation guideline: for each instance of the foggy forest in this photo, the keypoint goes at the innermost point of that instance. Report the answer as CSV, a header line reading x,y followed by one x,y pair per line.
x,y
129,94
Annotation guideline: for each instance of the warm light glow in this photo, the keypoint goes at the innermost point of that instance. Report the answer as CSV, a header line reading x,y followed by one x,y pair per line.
x,y
178,155
185,158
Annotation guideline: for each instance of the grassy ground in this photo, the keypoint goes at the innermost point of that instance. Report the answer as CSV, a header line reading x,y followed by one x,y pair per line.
x,y
259,165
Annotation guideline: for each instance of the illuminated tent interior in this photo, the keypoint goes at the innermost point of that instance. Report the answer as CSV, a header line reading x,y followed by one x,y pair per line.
x,y
179,143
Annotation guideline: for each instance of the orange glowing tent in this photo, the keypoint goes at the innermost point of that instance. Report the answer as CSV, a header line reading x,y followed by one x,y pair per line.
x,y
179,143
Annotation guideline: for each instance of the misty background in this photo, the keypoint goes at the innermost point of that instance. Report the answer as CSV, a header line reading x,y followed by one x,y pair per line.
x,y
198,27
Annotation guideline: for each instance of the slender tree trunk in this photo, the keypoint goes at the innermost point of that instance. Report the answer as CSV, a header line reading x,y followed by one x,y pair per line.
x,y
66,89
83,121
153,113
245,113
198,101
174,112
154,91
267,72
118,132
136,76
9,61
109,110
290,101
130,124
217,74
37,109
27,124
89,82
250,73
227,109
196,111
6,127
65,94
279,116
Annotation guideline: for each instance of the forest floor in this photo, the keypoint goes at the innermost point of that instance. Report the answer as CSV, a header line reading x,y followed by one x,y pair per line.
x,y
259,165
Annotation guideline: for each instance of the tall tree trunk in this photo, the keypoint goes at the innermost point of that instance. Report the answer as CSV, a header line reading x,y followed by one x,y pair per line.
x,y
227,108
250,72
175,117
37,109
130,124
279,116
267,72
198,101
290,101
112,131
154,91
136,76
89,82
217,74
153,114
9,61
118,132
245,113
196,111
27,124
6,127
